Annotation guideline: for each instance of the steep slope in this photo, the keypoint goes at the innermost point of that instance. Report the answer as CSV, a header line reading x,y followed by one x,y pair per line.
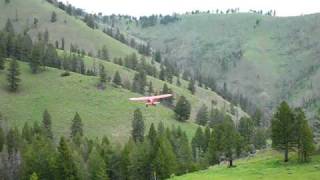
x,y
73,30
265,165
267,59
202,96
103,112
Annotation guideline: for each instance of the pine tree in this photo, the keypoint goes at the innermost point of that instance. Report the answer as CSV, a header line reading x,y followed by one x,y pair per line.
x,y
139,82
165,162
182,109
36,58
39,157
77,126
53,17
62,43
103,76
157,56
66,168
212,152
152,135
304,136
246,129
1,61
137,126
117,79
97,166
2,138
202,115
9,27
197,144
150,88
46,124
178,81
230,139
191,86
282,127
13,76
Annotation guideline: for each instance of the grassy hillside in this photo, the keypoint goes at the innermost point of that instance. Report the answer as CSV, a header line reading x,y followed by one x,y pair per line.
x,y
202,96
71,29
279,54
265,165
103,112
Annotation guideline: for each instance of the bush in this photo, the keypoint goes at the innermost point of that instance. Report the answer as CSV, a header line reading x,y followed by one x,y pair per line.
x,y
66,73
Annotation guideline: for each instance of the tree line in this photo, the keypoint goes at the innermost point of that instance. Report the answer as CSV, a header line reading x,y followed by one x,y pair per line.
x,y
154,153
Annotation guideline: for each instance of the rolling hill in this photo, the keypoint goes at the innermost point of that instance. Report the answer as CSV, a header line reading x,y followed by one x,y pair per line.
x,y
74,31
64,96
267,59
103,112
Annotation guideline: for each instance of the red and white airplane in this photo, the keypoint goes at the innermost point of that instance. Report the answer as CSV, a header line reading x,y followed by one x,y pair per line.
x,y
151,100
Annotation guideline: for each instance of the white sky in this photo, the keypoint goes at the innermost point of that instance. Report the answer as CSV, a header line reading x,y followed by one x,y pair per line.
x,y
148,7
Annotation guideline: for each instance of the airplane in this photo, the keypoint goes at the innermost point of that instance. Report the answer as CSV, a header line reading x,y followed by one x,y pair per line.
x,y
151,100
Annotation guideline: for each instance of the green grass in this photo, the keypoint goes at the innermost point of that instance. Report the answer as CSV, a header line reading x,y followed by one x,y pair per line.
x,y
265,165
73,30
104,112
202,96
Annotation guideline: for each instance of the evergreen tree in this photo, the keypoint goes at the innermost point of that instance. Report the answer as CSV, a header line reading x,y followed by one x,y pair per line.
x,y
66,168
137,126
304,136
9,27
77,126
152,135
246,129
97,166
104,53
150,88
191,86
53,17
117,79
259,138
13,76
182,109
197,144
36,58
46,124
157,56
102,75
282,127
202,115
178,81
46,36
1,61
2,137
230,138
212,152
140,167
62,43
39,157
165,162
139,82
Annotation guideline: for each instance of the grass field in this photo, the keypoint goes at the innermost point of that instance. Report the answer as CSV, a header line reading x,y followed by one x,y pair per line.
x,y
104,112
202,96
265,165
71,29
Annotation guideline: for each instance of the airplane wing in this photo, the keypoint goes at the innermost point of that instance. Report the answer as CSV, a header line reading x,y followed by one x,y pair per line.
x,y
161,96
150,97
139,99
